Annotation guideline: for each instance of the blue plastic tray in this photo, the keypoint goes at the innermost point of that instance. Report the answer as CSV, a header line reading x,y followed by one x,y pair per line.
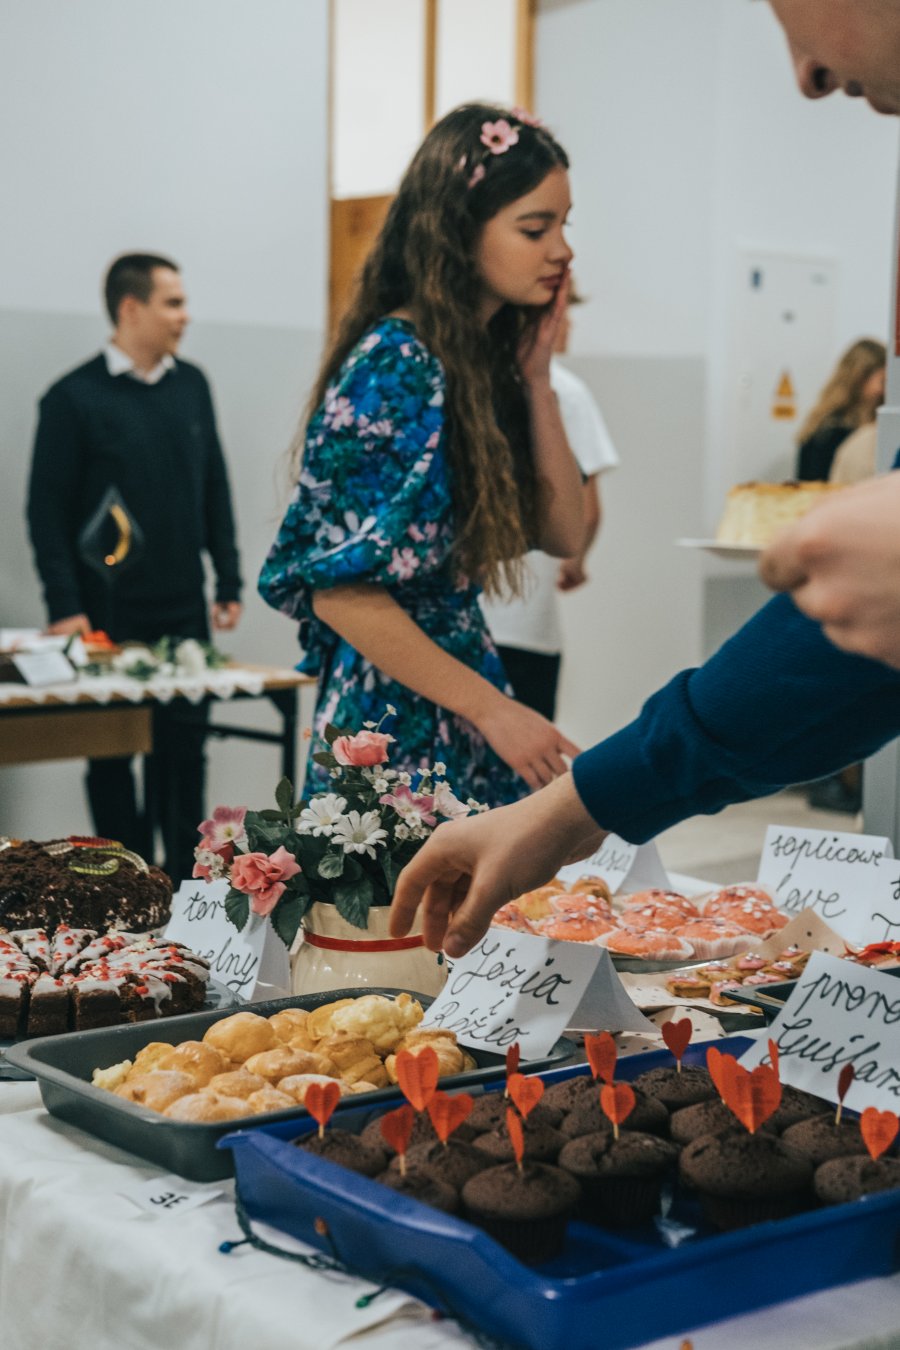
x,y
606,1292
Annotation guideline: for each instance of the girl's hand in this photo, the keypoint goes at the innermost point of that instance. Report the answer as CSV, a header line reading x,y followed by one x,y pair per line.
x,y
539,341
526,741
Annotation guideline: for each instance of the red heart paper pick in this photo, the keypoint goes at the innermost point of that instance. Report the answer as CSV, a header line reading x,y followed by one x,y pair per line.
x,y
320,1101
397,1126
677,1036
774,1054
602,1054
845,1078
719,1066
516,1135
417,1076
752,1097
878,1129
525,1093
513,1055
448,1113
617,1102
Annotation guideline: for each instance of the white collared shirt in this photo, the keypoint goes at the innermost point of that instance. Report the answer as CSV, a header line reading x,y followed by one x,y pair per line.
x,y
118,363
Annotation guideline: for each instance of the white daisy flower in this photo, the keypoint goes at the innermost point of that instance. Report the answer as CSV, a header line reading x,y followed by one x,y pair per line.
x,y
322,814
359,833
440,768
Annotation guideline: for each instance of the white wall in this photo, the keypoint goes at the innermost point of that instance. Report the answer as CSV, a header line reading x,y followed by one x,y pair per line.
x,y
688,138
197,130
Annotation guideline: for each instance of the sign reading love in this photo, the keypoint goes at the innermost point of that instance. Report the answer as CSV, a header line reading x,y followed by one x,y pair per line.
x,y
418,1076
396,1129
448,1112
677,1036
751,1096
525,1093
320,1101
516,1136
878,1129
617,1103
601,1055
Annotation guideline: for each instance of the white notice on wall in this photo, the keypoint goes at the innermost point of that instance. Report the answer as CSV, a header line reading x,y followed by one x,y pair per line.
x,y
238,960
630,867
514,987
837,1014
822,870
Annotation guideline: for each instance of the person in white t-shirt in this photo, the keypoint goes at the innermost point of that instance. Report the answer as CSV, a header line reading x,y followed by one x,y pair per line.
x,y
527,630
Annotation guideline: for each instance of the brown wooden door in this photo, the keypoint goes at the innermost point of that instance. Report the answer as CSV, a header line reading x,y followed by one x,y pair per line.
x,y
355,222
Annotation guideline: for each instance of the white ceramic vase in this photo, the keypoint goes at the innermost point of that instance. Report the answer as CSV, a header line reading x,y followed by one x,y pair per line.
x,y
334,954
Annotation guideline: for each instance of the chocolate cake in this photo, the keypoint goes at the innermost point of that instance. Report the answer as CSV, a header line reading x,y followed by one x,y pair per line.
x,y
79,979
95,883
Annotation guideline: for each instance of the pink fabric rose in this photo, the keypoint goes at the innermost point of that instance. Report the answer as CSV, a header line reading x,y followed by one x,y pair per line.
x,y
263,878
365,749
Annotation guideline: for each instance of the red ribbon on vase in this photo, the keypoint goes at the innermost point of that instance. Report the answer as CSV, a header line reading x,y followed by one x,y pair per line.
x,y
333,944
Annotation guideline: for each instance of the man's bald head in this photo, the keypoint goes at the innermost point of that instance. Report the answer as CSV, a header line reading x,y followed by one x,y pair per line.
x,y
852,45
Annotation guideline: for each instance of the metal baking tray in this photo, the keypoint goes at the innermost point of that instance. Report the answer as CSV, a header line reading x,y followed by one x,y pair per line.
x,y
614,1289
63,1066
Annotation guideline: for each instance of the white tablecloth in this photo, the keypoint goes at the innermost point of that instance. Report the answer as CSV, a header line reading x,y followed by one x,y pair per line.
x,y
102,689
82,1268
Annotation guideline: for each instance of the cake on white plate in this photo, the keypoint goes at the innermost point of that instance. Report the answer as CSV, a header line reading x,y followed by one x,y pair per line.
x,y
755,512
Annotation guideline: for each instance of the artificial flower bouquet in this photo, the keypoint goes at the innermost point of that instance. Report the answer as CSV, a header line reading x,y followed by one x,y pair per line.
x,y
344,847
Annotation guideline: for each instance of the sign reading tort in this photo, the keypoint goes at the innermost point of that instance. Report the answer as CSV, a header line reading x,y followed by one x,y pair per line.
x,y
200,922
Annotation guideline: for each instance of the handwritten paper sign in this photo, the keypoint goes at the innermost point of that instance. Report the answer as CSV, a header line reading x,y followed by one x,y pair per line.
x,y
170,1195
238,960
44,667
838,1014
821,870
632,867
514,987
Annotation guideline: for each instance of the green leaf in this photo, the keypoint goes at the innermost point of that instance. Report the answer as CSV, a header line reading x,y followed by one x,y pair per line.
x,y
391,869
331,866
330,734
284,796
327,761
270,815
352,901
286,916
237,907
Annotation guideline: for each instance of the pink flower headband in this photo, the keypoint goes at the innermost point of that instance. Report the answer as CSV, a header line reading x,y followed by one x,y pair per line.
x,y
498,137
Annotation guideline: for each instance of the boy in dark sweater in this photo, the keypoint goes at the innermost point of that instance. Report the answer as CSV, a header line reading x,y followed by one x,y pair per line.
x,y
136,420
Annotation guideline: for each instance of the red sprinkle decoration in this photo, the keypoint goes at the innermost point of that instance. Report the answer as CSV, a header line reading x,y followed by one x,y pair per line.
x,y
320,1101
448,1112
602,1055
417,1076
525,1093
879,1129
677,1036
516,1136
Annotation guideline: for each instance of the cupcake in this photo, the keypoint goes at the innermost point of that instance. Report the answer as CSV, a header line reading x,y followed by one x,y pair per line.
x,y
452,1163
842,1179
820,1139
489,1112
620,1179
525,1208
693,1084
703,1118
424,1187
542,1141
795,1106
567,1093
346,1149
745,1178
648,1116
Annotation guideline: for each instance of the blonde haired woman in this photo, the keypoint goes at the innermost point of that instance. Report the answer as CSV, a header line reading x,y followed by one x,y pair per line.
x,y
849,400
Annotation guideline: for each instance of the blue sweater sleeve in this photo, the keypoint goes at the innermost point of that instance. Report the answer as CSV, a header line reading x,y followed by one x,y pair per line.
x,y
777,704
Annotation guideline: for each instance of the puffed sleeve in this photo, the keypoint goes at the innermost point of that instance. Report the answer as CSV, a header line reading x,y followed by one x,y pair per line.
x,y
372,503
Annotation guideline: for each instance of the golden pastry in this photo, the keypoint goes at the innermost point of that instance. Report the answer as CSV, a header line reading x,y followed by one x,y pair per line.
x,y
451,1057
241,1035
236,1083
149,1057
206,1106
157,1089
289,1026
202,1062
269,1099
319,1021
297,1084
113,1077
380,1019
354,1058
282,1062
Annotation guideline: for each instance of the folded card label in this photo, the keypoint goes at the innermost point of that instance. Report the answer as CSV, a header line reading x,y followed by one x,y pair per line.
x,y
171,1194
514,987
622,866
839,1013
824,871
238,960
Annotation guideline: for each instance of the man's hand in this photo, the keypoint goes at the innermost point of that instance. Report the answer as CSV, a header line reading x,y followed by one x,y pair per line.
x,y
571,574
225,614
75,623
841,564
469,868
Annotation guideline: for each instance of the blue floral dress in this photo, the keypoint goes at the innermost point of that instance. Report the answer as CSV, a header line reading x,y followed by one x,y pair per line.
x,y
373,505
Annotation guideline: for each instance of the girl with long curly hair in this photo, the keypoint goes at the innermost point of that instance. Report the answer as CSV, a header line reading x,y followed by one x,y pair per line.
x,y
433,459
851,397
